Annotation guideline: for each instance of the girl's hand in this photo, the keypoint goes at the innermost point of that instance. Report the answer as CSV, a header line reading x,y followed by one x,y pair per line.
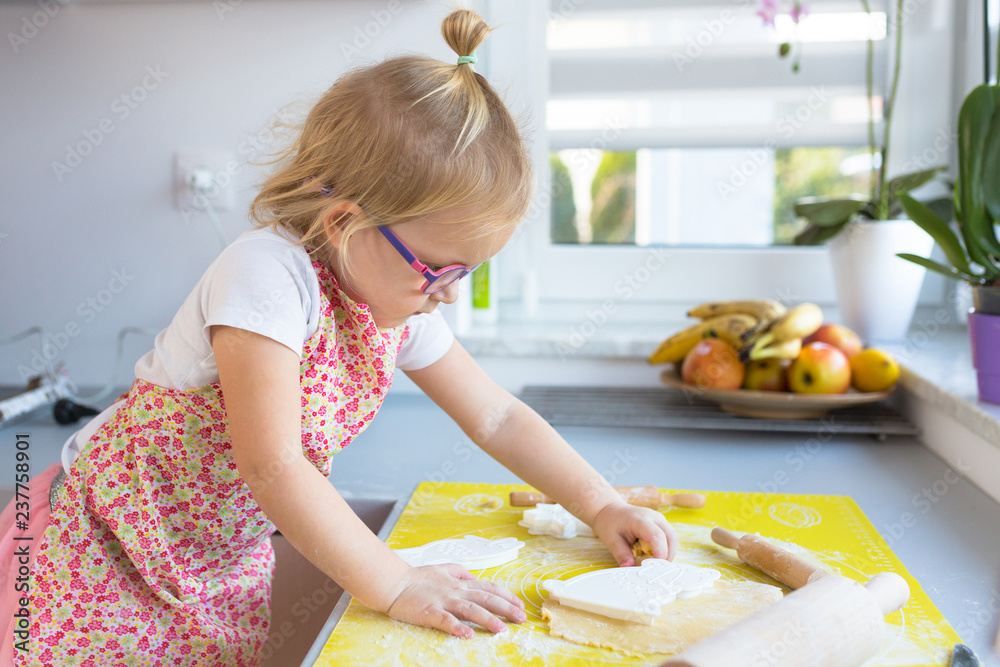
x,y
440,596
619,525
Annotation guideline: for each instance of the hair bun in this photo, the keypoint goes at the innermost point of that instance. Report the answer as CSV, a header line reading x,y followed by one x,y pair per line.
x,y
464,30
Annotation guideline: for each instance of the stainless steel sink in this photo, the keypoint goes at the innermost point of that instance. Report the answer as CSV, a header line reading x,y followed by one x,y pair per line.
x,y
304,601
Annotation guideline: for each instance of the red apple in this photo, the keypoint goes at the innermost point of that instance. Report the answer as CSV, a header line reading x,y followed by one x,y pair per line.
x,y
714,364
766,375
837,335
820,369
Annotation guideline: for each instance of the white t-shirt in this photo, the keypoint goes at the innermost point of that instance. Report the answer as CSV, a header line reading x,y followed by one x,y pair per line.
x,y
263,283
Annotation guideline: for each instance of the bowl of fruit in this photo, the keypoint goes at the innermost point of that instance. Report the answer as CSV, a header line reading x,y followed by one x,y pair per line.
x,y
760,359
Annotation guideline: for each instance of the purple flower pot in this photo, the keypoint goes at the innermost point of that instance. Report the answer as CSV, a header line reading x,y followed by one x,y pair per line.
x,y
984,331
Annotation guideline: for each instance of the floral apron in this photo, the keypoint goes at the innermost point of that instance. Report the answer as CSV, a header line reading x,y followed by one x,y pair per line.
x,y
156,552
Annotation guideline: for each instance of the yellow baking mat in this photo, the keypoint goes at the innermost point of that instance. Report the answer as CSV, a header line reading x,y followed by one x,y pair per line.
x,y
830,530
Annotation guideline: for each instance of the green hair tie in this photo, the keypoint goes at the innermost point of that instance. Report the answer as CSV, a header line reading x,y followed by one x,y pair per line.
x,y
471,59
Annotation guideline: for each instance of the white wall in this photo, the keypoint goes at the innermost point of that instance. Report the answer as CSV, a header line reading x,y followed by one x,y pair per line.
x,y
226,68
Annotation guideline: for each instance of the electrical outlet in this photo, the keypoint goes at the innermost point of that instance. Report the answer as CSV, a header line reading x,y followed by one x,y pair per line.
x,y
201,176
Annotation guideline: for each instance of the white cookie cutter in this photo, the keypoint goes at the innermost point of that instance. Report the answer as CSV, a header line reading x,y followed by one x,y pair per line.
x,y
632,593
471,552
555,520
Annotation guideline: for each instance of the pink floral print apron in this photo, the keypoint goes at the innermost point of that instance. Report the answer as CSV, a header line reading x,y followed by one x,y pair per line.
x,y
155,552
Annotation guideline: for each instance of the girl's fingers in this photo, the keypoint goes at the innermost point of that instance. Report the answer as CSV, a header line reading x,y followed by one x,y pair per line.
x,y
621,549
673,543
452,626
666,538
659,542
499,591
467,610
457,571
498,605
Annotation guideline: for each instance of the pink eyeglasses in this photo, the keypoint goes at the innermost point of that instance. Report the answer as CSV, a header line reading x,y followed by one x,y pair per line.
x,y
436,280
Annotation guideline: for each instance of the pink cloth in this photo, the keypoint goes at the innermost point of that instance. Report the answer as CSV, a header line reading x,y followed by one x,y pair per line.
x,y
38,519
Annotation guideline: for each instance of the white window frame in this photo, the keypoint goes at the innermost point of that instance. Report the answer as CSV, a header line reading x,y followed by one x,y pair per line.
x,y
548,282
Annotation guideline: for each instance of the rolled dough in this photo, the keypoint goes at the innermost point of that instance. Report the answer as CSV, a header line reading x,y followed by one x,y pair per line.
x,y
680,623
641,550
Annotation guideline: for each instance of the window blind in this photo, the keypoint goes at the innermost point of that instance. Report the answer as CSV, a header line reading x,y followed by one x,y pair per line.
x,y
706,73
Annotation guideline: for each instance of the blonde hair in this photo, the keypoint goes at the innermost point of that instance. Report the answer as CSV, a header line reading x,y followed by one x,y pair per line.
x,y
406,138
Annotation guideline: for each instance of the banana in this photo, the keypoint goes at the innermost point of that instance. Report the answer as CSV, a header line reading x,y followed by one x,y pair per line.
x,y
762,309
755,332
787,350
799,322
725,327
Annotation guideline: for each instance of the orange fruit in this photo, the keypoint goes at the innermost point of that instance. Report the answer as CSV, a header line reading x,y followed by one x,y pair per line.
x,y
873,370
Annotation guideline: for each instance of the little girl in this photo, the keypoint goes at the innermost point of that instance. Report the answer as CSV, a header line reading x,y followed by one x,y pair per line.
x,y
156,549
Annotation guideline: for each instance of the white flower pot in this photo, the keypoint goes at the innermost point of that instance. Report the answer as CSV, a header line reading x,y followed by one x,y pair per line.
x,y
877,291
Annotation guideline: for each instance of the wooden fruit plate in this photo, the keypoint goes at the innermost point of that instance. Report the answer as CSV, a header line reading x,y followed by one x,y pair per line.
x,y
773,404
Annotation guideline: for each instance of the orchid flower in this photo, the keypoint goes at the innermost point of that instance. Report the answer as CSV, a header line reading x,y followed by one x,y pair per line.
x,y
798,11
769,11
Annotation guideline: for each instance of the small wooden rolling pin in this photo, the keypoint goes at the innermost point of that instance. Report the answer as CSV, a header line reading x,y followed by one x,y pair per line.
x,y
773,561
830,621
642,496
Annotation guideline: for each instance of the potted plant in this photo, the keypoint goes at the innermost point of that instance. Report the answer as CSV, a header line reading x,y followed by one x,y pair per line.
x,y
876,295
973,252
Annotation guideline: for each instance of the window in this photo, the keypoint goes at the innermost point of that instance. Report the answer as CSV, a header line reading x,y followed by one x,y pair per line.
x,y
993,7
715,115
691,196
670,139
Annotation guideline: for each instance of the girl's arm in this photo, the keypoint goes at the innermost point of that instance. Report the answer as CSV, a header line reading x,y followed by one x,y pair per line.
x,y
517,437
261,386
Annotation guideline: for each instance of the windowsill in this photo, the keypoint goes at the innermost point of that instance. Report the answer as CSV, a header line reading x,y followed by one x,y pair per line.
x,y
937,369
559,341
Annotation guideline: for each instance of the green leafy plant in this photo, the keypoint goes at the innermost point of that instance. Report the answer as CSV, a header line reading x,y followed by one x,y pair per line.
x,y
827,216
612,218
977,197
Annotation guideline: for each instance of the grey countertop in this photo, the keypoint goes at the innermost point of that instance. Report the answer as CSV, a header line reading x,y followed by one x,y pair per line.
x,y
952,546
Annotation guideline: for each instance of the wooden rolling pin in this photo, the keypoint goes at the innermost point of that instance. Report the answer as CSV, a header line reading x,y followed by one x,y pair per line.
x,y
642,496
770,559
832,621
